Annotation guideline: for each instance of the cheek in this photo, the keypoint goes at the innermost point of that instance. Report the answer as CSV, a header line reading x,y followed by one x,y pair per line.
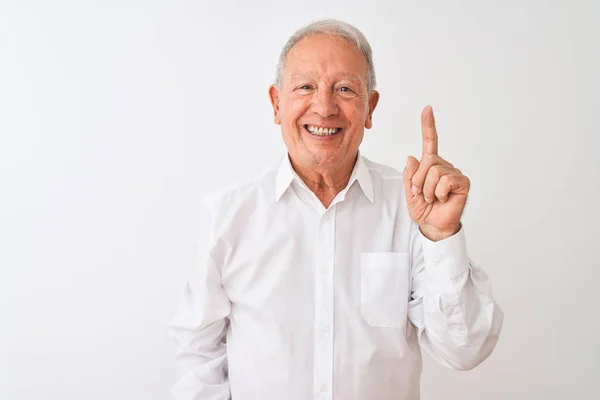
x,y
293,109
356,114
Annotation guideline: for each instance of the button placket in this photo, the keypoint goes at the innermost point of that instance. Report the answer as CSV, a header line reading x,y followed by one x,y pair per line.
x,y
324,306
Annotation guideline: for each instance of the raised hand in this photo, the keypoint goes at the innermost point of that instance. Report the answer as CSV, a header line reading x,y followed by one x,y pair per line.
x,y
436,192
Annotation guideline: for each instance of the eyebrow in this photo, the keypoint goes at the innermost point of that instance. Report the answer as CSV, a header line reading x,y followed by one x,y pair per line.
x,y
310,74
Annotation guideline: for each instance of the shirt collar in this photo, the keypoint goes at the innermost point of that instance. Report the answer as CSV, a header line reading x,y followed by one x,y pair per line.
x,y
286,175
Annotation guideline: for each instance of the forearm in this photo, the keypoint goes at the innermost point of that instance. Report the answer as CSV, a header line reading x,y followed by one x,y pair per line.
x,y
199,330
202,364
457,318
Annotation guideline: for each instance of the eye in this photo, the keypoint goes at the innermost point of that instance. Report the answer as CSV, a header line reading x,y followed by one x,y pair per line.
x,y
346,92
304,88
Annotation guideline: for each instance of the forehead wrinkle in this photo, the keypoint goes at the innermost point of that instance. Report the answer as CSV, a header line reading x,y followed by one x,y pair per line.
x,y
337,77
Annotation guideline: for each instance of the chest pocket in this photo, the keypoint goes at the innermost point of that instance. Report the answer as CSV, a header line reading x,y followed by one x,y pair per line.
x,y
385,289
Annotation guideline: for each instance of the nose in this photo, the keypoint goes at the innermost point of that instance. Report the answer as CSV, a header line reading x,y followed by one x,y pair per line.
x,y
324,103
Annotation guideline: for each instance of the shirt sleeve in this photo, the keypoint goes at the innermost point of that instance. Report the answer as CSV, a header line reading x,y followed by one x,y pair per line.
x,y
457,319
199,328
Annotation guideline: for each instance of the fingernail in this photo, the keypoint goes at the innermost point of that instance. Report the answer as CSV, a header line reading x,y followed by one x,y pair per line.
x,y
427,200
415,190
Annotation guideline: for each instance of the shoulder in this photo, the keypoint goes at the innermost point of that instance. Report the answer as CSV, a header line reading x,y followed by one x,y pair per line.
x,y
382,171
234,195
388,186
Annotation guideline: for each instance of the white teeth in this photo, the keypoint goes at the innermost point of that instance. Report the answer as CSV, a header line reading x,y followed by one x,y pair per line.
x,y
321,131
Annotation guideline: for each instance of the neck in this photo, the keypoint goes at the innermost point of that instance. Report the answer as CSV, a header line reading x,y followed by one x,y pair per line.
x,y
326,183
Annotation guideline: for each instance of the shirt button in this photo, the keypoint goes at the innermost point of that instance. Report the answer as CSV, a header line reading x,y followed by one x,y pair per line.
x,y
323,388
324,272
325,328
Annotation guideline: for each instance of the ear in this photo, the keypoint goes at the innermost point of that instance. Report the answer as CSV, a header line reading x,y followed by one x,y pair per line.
x,y
373,100
274,96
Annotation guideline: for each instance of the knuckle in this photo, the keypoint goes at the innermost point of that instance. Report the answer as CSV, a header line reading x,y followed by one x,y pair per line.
x,y
436,169
446,162
441,191
445,179
429,183
417,180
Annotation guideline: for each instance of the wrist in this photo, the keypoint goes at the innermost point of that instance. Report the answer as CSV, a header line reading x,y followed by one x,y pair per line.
x,y
435,235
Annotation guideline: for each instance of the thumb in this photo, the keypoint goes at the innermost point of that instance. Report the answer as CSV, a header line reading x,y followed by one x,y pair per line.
x,y
412,165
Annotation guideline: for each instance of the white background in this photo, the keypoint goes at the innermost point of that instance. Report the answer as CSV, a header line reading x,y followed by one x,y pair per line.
x,y
116,116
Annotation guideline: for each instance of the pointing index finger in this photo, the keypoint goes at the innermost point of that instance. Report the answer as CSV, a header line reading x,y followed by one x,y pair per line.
x,y
430,137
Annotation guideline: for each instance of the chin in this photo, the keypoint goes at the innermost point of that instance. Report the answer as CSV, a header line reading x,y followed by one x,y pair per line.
x,y
326,158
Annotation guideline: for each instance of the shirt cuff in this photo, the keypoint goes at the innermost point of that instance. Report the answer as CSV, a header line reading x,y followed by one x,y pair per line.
x,y
445,259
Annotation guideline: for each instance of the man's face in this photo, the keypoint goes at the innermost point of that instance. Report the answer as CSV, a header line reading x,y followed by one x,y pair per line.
x,y
323,104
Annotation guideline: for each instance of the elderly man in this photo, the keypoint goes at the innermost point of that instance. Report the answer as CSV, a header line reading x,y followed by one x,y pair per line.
x,y
324,277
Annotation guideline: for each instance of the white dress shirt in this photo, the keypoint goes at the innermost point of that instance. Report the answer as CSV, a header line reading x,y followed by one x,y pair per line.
x,y
295,301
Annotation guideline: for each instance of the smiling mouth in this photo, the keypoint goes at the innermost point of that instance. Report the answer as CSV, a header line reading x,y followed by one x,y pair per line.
x,y
322,131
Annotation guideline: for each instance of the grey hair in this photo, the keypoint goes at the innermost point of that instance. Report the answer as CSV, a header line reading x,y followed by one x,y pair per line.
x,y
330,27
